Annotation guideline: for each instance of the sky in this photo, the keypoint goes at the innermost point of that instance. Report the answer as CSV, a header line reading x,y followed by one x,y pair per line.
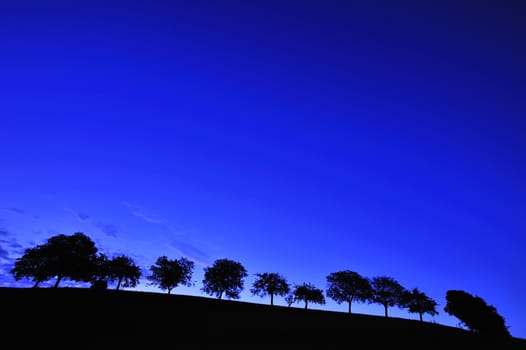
x,y
298,137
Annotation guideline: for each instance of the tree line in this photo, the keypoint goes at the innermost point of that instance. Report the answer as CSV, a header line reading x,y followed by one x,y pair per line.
x,y
75,257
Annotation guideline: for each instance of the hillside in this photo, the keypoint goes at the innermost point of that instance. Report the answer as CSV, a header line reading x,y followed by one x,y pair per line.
x,y
53,316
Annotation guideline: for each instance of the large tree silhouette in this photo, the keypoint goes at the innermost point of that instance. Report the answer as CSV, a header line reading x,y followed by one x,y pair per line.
x,y
62,256
387,292
32,265
270,283
168,274
475,313
418,302
224,277
308,293
348,286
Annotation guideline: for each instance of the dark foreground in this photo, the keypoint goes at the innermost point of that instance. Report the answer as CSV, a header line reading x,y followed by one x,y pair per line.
x,y
85,317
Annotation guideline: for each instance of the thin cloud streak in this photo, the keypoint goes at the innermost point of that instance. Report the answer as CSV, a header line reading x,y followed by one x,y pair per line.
x,y
16,211
79,216
108,229
149,218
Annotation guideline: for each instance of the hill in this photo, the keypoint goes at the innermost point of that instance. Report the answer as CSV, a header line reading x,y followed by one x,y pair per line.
x,y
89,317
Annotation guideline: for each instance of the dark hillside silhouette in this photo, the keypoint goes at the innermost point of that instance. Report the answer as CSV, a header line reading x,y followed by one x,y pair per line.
x,y
95,318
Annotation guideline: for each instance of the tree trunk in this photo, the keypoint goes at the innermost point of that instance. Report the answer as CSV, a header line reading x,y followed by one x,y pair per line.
x,y
271,299
306,303
421,319
118,284
385,308
57,281
350,307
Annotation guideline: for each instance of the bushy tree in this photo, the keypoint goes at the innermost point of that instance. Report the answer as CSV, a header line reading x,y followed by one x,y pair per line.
x,y
224,277
168,274
475,313
100,276
270,283
124,271
387,292
418,302
308,293
32,265
348,286
62,256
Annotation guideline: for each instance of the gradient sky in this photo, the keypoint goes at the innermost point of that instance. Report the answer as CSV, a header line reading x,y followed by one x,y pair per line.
x,y
299,137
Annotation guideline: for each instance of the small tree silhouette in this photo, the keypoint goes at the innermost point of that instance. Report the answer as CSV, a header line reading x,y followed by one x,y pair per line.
x,y
270,283
224,277
418,302
168,274
307,292
387,292
123,269
348,286
290,299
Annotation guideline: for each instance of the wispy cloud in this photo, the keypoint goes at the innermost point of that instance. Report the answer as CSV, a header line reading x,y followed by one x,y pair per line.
x,y
16,210
191,252
108,229
4,254
4,232
79,216
147,217
181,246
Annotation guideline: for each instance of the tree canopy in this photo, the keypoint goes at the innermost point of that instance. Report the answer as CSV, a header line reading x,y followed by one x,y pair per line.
x,y
270,283
224,277
348,286
387,292
418,302
62,256
167,274
475,313
308,293
124,271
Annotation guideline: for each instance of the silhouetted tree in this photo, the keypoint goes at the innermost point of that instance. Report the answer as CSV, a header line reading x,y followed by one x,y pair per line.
x,y
123,269
270,283
100,275
62,256
168,274
475,313
348,286
290,299
32,265
307,292
419,303
387,292
224,277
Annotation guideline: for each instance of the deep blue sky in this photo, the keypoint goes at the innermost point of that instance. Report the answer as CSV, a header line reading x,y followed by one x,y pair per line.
x,y
299,137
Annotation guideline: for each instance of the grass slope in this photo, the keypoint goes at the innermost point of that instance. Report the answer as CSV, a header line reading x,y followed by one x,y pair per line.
x,y
89,317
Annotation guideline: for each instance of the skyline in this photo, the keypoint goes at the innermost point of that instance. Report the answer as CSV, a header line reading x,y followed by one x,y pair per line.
x,y
302,138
